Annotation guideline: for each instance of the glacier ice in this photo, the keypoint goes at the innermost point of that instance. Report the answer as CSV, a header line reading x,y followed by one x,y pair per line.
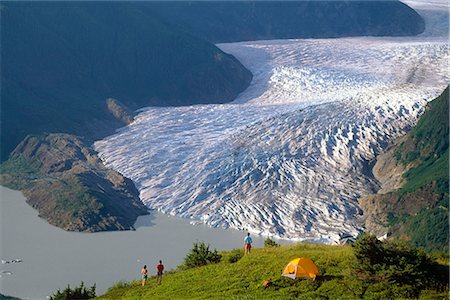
x,y
291,155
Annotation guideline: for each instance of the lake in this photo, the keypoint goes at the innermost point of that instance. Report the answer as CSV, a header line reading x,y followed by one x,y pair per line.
x,y
53,258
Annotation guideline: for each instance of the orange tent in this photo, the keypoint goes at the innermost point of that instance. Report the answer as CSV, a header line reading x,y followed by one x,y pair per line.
x,y
301,267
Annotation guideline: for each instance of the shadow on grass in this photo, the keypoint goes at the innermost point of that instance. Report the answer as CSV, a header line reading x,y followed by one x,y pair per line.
x,y
285,282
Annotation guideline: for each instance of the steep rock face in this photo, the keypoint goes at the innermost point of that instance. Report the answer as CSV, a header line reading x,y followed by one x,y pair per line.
x,y
413,201
388,171
231,21
379,210
62,60
69,186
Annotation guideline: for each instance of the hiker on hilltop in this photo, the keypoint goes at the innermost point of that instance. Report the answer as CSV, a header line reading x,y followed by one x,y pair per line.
x,y
247,243
159,272
144,273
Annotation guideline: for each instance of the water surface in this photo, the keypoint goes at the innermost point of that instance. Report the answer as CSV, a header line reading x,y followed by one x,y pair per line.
x,y
53,258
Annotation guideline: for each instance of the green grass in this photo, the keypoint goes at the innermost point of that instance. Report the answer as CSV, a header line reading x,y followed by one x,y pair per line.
x,y
428,172
243,279
18,164
73,198
17,172
429,138
426,229
427,145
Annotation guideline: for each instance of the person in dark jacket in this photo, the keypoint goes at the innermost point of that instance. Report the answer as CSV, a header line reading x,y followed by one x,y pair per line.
x,y
159,272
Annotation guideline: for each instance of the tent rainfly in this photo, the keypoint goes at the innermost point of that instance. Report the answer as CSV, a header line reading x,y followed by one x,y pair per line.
x,y
301,268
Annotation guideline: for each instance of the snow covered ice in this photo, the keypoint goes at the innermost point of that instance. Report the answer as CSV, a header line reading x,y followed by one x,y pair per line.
x,y
290,156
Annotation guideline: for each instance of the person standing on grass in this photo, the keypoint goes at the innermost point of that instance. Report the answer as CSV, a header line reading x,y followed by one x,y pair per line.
x,y
144,273
247,243
159,272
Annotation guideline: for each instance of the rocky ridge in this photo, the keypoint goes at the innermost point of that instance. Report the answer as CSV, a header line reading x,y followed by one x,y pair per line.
x,y
69,186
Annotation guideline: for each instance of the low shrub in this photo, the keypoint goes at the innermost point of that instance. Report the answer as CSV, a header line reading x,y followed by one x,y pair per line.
x,y
406,270
270,243
79,292
119,285
201,255
235,255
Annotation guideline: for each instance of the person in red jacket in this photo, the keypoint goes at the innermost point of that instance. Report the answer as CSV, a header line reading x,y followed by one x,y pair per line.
x,y
159,272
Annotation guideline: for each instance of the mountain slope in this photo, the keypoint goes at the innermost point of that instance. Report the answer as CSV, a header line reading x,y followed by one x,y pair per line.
x,y
416,209
231,21
69,186
139,53
62,60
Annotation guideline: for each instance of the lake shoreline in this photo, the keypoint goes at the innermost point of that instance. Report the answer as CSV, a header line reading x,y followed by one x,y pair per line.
x,y
53,258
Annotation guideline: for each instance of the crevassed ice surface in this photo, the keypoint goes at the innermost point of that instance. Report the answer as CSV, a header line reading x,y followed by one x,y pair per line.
x,y
290,156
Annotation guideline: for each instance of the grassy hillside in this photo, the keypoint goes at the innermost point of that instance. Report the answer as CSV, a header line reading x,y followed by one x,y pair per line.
x,y
419,210
427,148
228,21
61,61
243,279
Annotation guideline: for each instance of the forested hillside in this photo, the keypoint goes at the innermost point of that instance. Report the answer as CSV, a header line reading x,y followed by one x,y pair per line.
x,y
417,211
230,21
62,60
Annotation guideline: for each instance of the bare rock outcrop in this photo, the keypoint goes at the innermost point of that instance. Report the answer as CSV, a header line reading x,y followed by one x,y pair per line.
x,y
69,185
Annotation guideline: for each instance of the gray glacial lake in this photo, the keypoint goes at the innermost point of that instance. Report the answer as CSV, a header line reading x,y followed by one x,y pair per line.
x,y
53,258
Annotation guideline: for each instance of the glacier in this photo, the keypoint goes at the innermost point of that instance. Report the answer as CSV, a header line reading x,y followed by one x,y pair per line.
x,y
291,156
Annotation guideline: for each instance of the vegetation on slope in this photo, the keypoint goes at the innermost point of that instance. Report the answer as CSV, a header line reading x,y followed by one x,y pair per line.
x,y
61,61
4,297
427,148
373,270
69,185
78,292
419,210
201,255
230,21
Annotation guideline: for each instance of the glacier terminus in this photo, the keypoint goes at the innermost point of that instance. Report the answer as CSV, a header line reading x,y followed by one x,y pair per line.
x,y
291,156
